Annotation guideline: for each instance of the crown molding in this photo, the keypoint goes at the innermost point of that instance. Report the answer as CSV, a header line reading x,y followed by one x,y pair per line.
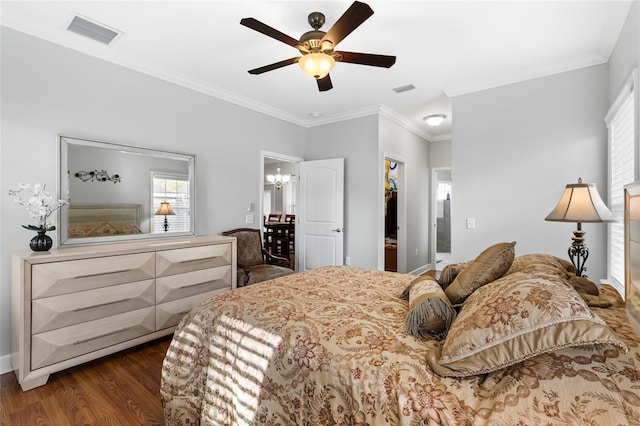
x,y
530,74
442,138
174,78
405,123
217,92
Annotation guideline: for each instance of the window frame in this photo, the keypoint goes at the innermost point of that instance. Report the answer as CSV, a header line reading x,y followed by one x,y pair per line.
x,y
629,92
158,174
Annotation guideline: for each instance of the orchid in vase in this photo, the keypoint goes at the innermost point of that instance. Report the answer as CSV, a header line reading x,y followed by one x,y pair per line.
x,y
38,203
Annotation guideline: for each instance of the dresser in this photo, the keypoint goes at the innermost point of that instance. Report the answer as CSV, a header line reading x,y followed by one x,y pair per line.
x,y
76,304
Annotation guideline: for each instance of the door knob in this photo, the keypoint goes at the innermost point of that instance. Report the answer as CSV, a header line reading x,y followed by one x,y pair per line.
x,y
337,230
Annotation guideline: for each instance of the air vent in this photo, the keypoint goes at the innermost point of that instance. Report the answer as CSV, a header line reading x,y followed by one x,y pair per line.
x,y
404,88
92,30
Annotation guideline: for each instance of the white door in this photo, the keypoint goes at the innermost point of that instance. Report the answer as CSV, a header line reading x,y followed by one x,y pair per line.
x,y
320,218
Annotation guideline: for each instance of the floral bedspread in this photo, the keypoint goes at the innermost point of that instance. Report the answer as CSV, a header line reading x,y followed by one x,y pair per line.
x,y
329,347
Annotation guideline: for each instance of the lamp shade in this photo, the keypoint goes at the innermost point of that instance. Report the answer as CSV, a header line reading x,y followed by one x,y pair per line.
x,y
164,209
317,65
581,202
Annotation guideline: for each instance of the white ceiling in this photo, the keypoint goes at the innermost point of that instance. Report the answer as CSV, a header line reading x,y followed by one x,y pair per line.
x,y
443,48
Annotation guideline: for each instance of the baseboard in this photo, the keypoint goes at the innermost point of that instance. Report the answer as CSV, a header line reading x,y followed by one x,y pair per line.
x,y
5,364
421,270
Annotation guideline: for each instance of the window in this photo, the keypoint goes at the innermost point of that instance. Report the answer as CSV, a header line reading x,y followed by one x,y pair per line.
x,y
174,189
621,124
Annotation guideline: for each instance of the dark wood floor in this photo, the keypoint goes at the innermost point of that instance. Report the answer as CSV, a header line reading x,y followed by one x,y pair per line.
x,y
120,389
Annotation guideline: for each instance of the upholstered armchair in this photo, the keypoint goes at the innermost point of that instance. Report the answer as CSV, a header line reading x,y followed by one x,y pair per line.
x,y
255,264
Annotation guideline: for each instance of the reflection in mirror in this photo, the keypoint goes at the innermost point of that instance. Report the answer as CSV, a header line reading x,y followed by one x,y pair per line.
x,y
118,192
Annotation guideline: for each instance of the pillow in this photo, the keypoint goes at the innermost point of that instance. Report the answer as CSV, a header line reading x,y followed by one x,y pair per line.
x,y
490,265
105,228
535,263
584,285
450,272
515,318
430,312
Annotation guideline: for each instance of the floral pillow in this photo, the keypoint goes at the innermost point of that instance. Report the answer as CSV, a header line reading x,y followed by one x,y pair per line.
x,y
515,318
535,263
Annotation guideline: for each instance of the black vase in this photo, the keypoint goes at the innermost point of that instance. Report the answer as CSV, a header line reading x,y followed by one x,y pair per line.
x,y
41,242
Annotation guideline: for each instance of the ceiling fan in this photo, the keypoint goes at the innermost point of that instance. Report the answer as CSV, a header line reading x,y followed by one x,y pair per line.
x,y
316,47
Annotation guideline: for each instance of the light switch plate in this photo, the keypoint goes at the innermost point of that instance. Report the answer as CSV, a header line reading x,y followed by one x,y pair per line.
x,y
248,219
471,223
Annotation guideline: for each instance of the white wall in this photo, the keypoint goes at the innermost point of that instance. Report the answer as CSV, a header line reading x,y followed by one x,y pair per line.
x,y
514,148
440,154
626,55
357,142
49,90
400,143
624,59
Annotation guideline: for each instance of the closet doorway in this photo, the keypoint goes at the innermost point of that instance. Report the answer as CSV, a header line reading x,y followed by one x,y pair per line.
x,y
394,215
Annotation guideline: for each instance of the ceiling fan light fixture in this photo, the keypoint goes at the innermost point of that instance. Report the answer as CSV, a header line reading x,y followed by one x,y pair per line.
x,y
317,65
434,120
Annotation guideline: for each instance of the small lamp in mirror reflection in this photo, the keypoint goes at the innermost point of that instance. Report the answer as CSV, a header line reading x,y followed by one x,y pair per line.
x,y
165,209
580,202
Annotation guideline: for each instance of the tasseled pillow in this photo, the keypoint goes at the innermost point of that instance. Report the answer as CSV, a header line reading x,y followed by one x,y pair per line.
x,y
430,312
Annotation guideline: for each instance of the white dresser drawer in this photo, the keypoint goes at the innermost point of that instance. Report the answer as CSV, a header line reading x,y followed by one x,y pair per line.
x,y
65,343
49,313
72,305
51,279
170,313
174,287
178,261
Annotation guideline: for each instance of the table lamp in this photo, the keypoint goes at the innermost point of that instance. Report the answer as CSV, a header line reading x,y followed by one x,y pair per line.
x,y
165,209
580,202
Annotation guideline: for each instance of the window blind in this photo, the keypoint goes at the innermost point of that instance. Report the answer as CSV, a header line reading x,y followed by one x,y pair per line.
x,y
621,124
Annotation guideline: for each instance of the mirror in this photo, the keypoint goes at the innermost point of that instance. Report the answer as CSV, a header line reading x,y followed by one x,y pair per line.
x,y
119,192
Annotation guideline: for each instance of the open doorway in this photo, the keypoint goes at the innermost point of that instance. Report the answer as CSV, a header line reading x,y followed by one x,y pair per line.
x,y
394,215
442,196
278,203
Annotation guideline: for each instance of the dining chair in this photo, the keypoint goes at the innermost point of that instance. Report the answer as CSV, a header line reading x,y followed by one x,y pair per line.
x,y
274,217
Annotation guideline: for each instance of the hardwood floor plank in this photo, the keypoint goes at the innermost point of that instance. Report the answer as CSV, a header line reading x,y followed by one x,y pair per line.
x,y
120,389
73,400
139,404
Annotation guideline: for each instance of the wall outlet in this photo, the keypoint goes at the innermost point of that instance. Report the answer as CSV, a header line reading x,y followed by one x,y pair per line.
x,y
471,223
248,219
416,252
347,260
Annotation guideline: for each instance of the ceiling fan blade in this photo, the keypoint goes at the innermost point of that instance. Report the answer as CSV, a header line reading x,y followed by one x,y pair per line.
x,y
258,26
350,20
274,66
367,59
324,83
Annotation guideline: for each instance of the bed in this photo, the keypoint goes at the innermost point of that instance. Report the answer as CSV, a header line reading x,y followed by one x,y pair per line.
x,y
332,346
99,220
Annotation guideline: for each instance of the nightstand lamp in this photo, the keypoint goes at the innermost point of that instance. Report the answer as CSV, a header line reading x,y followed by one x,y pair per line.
x,y
580,202
165,209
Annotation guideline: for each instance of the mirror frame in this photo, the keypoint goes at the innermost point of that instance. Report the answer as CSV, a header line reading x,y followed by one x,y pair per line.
x,y
64,176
